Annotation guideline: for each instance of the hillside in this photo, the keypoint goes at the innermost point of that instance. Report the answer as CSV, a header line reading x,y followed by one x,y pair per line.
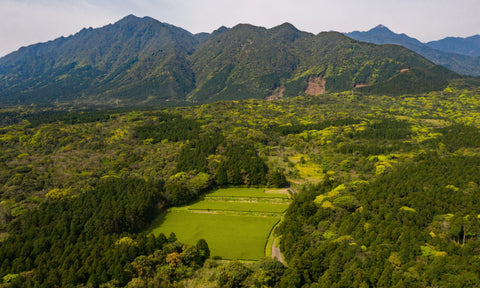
x,y
141,61
460,63
254,62
131,60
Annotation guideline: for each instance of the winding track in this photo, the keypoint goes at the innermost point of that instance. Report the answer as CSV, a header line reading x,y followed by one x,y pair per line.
x,y
276,253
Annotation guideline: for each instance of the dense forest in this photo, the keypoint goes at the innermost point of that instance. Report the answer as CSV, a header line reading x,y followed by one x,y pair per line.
x,y
386,191
414,227
92,239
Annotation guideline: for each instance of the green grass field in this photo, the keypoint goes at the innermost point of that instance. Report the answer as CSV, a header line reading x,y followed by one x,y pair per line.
x,y
228,236
233,227
240,206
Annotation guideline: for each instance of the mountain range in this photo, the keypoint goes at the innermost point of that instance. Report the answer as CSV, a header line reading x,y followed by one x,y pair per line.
x,y
469,46
141,61
457,54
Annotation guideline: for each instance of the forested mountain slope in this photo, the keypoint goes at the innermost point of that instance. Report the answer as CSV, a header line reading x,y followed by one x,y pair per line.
x,y
250,61
140,61
130,60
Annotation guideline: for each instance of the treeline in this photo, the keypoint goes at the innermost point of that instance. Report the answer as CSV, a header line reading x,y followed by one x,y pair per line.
x,y
89,239
414,227
208,162
236,163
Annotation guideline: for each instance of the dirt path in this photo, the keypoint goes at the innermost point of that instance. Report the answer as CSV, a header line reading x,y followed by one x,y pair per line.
x,y
276,253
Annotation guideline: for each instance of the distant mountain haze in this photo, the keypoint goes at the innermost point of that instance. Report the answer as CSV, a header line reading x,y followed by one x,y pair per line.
x,y
457,54
469,46
141,61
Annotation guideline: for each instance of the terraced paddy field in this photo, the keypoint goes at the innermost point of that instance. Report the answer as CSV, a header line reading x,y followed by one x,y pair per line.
x,y
235,222
248,193
208,205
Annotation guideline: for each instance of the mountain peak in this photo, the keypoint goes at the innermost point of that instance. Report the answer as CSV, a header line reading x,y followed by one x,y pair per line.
x,y
129,18
220,30
132,19
285,26
381,27
286,31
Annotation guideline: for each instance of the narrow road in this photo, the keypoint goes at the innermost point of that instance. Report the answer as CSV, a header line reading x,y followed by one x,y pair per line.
x,y
276,253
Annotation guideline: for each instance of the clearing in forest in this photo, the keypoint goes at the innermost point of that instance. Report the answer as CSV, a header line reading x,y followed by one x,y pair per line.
x,y
235,222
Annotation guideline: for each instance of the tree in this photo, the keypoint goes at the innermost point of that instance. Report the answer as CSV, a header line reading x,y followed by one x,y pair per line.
x,y
172,238
269,273
277,179
233,275
203,249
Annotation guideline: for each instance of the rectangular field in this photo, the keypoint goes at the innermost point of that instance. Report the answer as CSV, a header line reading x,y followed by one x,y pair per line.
x,y
240,237
240,206
245,193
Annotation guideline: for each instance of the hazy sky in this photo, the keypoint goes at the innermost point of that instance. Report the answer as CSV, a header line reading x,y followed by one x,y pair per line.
x,y
25,22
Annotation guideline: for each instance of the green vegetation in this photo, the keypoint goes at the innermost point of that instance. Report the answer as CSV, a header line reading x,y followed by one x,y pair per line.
x,y
283,58
414,81
73,241
421,217
247,193
142,62
462,62
236,222
240,206
229,236
169,127
386,192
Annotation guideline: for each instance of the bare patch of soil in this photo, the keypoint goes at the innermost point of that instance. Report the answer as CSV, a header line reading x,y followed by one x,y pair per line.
x,y
277,191
315,86
361,84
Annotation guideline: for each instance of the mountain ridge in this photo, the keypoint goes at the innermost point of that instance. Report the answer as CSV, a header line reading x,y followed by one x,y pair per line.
x,y
142,61
463,64
469,46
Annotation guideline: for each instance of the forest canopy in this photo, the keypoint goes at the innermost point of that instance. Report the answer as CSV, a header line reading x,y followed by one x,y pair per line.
x,y
385,191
